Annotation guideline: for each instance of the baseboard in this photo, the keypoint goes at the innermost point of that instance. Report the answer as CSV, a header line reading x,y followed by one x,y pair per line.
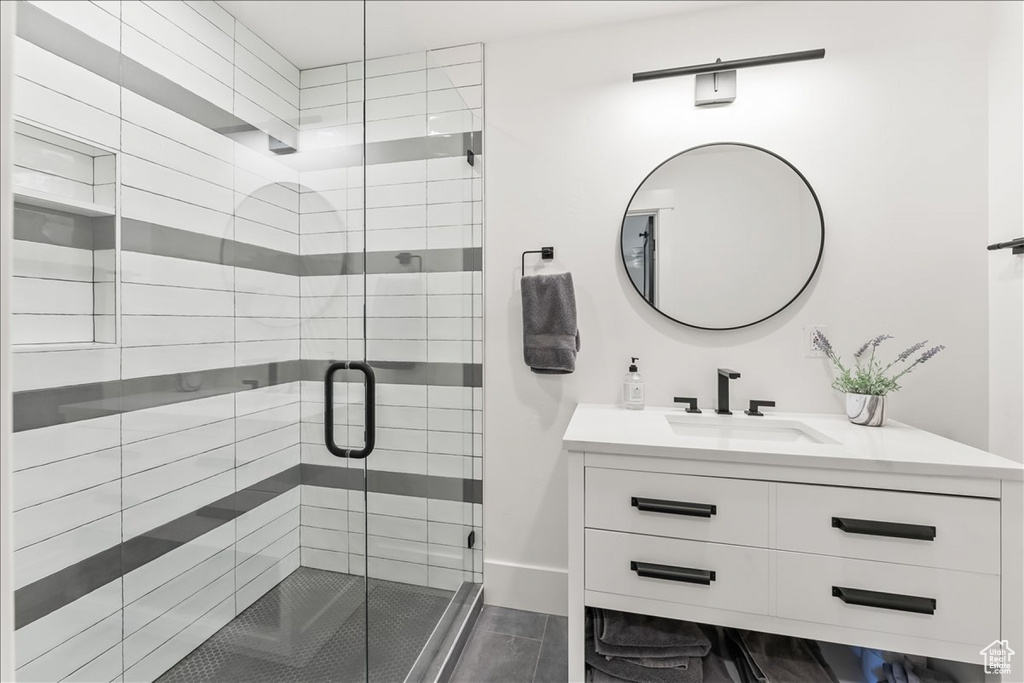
x,y
526,587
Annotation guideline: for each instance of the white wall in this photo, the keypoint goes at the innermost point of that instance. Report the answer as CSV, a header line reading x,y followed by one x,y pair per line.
x,y
889,129
1006,222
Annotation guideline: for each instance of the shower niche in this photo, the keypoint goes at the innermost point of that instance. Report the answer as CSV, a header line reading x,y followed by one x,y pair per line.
x,y
65,240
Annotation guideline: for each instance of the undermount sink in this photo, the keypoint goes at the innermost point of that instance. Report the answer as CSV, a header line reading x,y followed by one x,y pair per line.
x,y
745,428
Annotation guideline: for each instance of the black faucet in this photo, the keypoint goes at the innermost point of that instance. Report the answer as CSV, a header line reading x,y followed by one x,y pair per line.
x,y
724,375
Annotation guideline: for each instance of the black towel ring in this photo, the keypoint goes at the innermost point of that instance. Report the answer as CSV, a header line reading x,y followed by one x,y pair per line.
x,y
546,253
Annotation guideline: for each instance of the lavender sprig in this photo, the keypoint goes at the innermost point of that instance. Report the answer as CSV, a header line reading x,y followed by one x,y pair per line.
x,y
902,358
913,349
929,354
872,343
870,377
822,343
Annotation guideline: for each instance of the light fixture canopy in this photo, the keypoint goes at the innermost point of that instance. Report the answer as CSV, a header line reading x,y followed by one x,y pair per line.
x,y
718,87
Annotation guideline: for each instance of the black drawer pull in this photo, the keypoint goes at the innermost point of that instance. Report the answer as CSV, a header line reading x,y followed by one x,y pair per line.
x,y
901,603
673,507
670,573
917,532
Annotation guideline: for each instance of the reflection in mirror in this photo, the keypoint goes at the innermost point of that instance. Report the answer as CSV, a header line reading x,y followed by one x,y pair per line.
x,y
722,236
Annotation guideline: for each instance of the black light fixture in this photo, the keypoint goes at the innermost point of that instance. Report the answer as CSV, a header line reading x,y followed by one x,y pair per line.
x,y
1016,245
716,81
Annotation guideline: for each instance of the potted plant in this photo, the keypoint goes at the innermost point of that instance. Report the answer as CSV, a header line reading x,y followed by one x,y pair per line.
x,y
867,382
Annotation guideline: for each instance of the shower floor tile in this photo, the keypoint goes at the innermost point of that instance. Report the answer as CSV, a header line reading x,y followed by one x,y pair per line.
x,y
310,627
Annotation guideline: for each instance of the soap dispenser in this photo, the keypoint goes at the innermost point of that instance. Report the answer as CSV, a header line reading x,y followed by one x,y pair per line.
x,y
633,389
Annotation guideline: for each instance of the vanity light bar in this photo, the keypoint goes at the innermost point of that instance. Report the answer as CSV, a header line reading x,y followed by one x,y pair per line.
x,y
729,66
1017,245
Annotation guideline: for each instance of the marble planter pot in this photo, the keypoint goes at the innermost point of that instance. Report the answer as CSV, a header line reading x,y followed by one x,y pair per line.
x,y
866,410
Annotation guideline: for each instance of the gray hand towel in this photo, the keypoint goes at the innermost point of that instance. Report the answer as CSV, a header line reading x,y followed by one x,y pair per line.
x,y
638,636
551,338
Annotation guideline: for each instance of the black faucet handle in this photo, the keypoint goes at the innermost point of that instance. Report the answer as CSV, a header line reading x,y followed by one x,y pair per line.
x,y
692,401
726,372
754,405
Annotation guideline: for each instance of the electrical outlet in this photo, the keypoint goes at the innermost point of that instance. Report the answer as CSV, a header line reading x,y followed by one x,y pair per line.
x,y
810,350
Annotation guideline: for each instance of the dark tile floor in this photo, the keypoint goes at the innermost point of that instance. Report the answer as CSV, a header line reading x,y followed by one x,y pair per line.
x,y
311,628
512,646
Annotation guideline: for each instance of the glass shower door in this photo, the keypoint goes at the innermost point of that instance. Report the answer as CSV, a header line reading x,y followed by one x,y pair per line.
x,y
422,193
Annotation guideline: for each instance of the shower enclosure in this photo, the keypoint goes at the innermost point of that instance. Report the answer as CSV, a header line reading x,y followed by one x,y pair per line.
x,y
202,229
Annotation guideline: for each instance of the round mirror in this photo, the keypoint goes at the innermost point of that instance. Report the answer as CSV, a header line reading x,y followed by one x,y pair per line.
x,y
722,236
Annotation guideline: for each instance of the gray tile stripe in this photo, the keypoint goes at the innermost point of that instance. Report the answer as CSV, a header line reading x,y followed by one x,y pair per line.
x,y
384,262
161,240
62,229
429,147
52,34
403,372
389,151
149,84
35,600
44,596
393,483
40,408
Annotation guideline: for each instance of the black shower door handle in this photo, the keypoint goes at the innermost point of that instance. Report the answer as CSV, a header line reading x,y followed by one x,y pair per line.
x,y
370,407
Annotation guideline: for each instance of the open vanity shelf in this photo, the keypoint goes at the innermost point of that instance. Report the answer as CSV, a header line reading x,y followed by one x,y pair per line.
x,y
892,539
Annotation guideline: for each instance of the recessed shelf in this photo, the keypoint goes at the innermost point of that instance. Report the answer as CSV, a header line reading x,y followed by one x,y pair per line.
x,y
46,200
64,254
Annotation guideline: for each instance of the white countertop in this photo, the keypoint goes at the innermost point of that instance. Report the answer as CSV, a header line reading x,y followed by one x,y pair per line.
x,y
894,448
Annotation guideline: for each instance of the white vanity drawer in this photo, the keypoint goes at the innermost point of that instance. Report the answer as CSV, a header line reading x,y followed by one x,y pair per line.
x,y
689,572
678,505
946,532
845,592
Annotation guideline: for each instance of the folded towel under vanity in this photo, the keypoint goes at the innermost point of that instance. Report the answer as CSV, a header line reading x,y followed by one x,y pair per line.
x,y
771,658
620,669
638,636
642,649
551,338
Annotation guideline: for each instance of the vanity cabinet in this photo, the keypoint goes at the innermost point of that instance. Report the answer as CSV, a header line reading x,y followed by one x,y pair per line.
x,y
883,553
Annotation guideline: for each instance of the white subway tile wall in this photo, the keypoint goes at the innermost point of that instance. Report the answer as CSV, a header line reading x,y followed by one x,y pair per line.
x,y
162,481
411,316
97,483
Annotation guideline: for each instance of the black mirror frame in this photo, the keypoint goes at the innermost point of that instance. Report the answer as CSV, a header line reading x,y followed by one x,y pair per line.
x,y
817,261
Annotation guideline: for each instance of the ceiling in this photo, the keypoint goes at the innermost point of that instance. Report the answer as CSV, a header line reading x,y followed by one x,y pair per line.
x,y
312,33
